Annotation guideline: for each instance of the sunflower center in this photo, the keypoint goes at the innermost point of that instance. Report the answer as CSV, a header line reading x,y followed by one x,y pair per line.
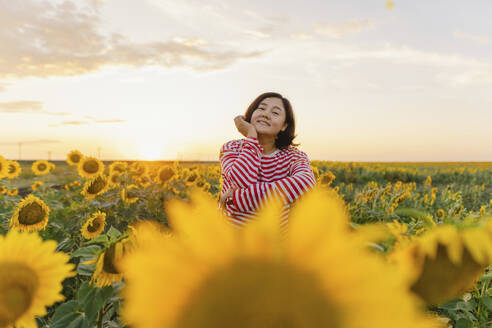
x,y
18,285
114,178
11,169
75,158
31,214
94,226
96,186
166,174
191,178
108,264
118,169
260,294
42,167
441,279
131,193
91,167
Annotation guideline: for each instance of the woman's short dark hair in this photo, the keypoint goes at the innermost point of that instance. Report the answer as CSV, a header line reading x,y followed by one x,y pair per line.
x,y
284,138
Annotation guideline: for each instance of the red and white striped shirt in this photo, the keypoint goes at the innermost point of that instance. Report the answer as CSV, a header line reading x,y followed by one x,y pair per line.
x,y
285,173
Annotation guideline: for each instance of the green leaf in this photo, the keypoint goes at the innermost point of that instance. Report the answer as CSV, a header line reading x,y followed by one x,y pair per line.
x,y
416,214
93,299
487,301
101,239
86,269
463,323
68,315
87,252
451,305
113,233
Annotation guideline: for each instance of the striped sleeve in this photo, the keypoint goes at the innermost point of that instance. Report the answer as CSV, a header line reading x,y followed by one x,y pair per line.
x,y
240,166
289,189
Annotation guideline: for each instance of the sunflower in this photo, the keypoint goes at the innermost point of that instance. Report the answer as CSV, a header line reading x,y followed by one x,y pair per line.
x,y
165,174
3,167
114,179
31,275
36,184
319,275
202,184
106,271
145,181
315,171
94,225
139,169
97,185
326,178
443,263
129,195
74,157
90,167
13,169
3,190
118,166
147,230
13,192
191,178
31,214
41,167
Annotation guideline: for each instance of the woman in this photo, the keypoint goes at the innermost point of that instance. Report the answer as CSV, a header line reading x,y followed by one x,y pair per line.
x,y
265,163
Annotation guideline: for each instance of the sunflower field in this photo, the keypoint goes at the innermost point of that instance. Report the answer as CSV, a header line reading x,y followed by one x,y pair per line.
x,y
87,243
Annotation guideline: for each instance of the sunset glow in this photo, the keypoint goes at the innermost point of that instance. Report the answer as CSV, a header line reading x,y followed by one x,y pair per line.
x,y
369,81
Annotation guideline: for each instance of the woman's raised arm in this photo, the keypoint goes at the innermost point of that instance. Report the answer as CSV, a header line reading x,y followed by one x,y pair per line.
x,y
289,189
240,161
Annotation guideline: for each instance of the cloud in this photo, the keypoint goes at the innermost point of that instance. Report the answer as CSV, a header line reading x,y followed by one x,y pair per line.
x,y
20,106
91,120
26,106
109,121
42,39
405,54
29,142
300,36
475,38
70,123
340,30
3,86
444,68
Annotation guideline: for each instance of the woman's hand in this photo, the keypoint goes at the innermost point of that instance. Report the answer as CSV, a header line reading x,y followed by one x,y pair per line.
x,y
226,198
245,128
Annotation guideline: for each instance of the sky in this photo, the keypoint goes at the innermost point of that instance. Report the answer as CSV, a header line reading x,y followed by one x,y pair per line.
x,y
163,79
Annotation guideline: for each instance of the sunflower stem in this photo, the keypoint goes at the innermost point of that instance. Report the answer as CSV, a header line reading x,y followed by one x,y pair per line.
x,y
100,318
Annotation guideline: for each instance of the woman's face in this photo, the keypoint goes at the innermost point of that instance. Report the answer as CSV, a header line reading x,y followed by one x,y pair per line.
x,y
269,117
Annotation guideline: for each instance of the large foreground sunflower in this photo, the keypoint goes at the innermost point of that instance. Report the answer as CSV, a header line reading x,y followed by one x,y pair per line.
x,y
445,262
13,169
94,225
97,185
31,214
89,167
213,275
74,157
41,167
31,275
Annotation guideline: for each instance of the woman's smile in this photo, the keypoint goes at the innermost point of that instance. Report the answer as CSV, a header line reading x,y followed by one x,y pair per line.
x,y
263,122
